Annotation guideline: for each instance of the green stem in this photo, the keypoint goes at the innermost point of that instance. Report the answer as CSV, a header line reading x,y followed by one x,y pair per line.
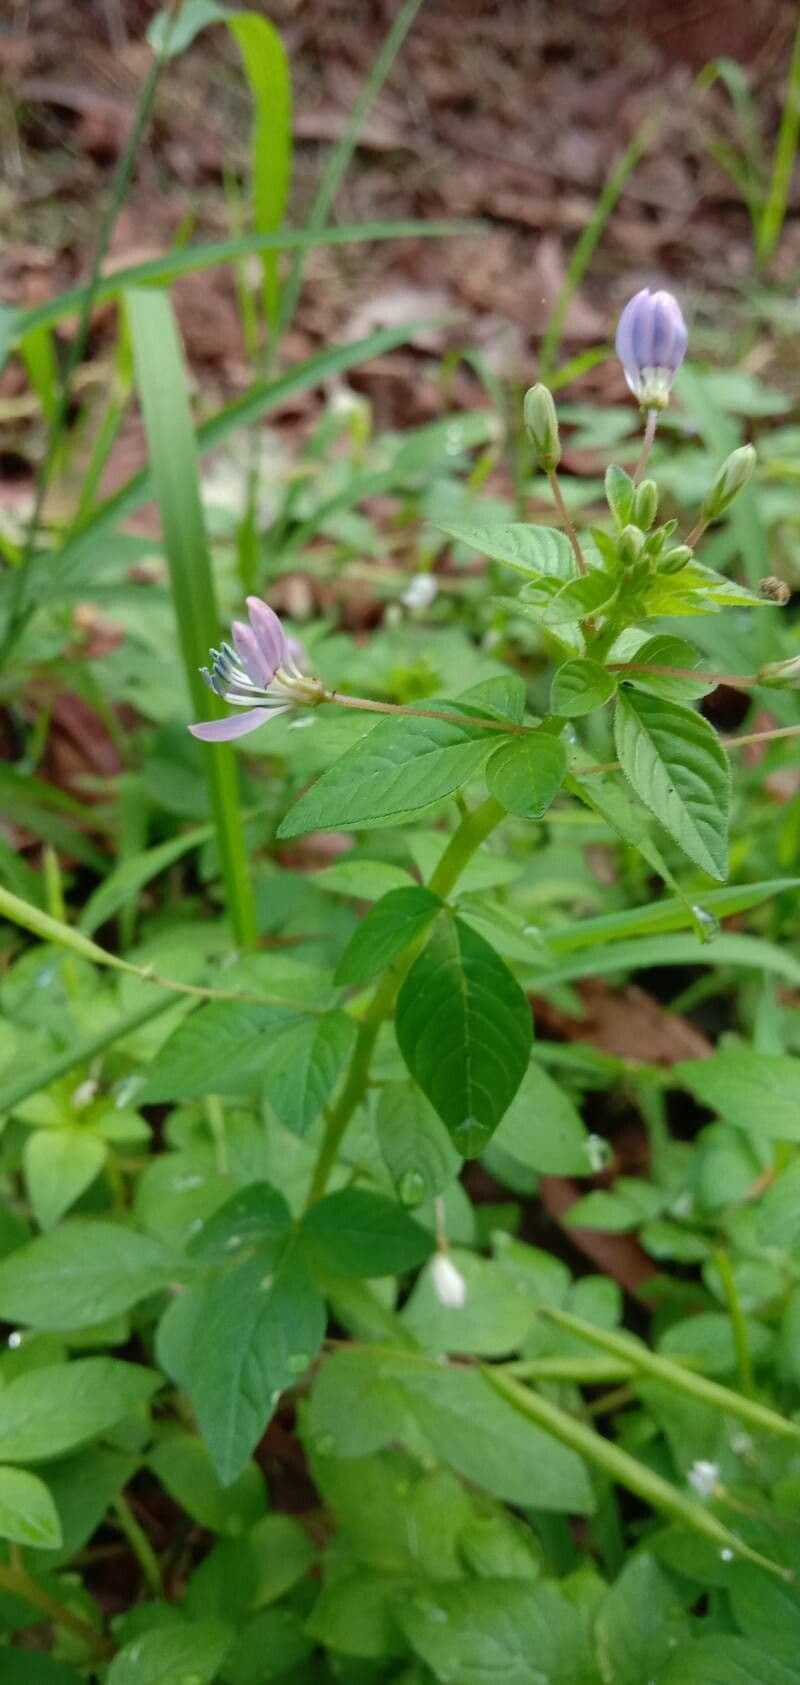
x,y
566,518
472,831
368,706
140,1545
741,1338
647,445
620,1466
20,1583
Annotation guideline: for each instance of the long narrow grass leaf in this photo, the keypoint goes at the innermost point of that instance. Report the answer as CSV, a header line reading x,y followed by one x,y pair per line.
x,y
161,383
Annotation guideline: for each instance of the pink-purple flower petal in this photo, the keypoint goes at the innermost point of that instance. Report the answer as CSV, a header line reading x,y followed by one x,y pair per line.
x,y
251,655
268,631
236,725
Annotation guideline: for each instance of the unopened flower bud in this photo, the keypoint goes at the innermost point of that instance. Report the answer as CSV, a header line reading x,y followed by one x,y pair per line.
x,y
645,504
774,590
673,560
541,422
733,476
781,675
651,345
448,1283
631,545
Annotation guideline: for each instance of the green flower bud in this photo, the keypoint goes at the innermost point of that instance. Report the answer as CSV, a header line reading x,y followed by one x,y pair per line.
x,y
541,422
674,560
630,545
781,675
645,504
731,479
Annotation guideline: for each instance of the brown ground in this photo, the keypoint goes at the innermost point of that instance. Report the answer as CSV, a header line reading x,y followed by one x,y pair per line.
x,y
513,111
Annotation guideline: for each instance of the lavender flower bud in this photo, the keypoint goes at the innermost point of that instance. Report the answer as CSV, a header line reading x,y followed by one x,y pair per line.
x,y
733,476
651,345
448,1283
541,422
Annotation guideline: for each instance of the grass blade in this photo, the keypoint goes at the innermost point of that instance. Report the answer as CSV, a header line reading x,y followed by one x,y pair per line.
x,y
161,383
774,212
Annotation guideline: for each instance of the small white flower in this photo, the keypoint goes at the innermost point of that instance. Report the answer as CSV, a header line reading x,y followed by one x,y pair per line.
x,y
84,1094
703,1477
597,1152
448,1283
421,590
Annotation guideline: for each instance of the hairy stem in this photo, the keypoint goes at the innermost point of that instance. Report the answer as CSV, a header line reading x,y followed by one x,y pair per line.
x,y
647,445
566,518
472,831
740,680
366,704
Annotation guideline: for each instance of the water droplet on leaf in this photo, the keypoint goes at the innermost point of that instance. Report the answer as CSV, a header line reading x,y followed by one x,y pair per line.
x,y
297,1362
325,1445
470,1136
706,923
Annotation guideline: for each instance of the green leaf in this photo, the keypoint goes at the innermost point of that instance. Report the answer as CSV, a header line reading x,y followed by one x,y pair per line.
x,y
59,1165
302,1065
779,1211
620,493
481,1631
400,767
28,1515
587,595
255,1214
220,1049
276,1640
667,651
416,1147
182,1464
257,1330
579,687
484,1440
542,1128
532,550
464,1029
173,1655
525,773
390,927
45,1412
679,769
30,1667
640,1622
244,1573
727,1660
364,880
358,1233
80,1274
757,1092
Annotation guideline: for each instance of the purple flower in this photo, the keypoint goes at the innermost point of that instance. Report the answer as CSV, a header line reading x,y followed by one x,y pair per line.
x,y
651,345
260,673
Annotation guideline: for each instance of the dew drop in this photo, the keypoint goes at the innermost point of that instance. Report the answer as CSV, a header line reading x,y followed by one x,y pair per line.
x,y
707,924
232,1242
470,1136
297,1362
412,1187
325,1445
15,1339
726,1554
44,978
266,1283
